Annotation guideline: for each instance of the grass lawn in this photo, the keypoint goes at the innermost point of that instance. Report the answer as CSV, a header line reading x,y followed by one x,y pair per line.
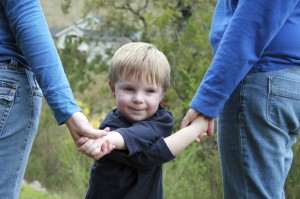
x,y
28,192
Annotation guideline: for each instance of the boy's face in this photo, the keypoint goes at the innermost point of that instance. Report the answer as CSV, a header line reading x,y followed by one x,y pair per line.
x,y
136,100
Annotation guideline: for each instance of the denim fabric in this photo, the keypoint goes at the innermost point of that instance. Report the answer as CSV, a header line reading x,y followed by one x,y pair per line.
x,y
20,105
256,130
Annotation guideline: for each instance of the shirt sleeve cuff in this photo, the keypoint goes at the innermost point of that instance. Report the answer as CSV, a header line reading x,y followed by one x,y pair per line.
x,y
207,102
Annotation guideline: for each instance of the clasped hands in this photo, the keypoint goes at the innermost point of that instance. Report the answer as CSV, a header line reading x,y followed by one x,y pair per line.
x,y
94,142
89,141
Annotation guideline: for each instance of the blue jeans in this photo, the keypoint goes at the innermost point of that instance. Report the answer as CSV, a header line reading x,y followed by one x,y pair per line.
x,y
256,131
20,105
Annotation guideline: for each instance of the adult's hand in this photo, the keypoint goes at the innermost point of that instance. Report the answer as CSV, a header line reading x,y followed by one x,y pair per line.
x,y
192,114
79,126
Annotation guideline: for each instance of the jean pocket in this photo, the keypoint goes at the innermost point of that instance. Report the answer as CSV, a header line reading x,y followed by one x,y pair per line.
x,y
7,96
284,103
35,88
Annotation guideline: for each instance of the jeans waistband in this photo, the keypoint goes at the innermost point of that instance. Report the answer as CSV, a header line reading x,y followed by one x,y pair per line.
x,y
12,64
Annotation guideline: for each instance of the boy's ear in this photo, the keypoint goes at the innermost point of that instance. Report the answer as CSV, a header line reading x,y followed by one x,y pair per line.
x,y
163,95
111,86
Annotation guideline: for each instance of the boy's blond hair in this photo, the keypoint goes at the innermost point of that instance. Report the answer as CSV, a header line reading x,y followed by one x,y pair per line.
x,y
140,60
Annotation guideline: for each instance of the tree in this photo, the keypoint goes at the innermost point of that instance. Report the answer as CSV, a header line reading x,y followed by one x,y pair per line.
x,y
80,72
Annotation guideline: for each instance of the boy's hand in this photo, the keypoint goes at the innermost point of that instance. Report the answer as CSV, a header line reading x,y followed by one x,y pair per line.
x,y
201,126
191,115
80,141
208,132
199,138
95,149
106,148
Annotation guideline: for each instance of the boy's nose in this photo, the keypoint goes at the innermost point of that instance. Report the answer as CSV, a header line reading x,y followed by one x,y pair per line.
x,y
138,98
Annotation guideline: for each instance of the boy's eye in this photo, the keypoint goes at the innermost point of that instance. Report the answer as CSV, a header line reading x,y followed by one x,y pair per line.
x,y
128,89
150,91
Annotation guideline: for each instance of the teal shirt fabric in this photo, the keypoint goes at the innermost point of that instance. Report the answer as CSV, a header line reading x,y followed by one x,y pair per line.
x,y
25,37
247,36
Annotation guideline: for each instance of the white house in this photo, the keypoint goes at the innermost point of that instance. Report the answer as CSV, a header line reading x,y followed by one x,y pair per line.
x,y
94,44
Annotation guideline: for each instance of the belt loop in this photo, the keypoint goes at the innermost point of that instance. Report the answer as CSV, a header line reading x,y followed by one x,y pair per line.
x,y
13,63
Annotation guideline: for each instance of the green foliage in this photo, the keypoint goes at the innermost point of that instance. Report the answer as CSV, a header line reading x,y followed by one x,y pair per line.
x,y
194,173
292,184
42,161
80,71
55,162
65,6
28,192
74,169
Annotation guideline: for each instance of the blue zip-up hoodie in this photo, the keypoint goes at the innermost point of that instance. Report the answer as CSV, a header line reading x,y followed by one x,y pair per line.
x,y
247,36
25,37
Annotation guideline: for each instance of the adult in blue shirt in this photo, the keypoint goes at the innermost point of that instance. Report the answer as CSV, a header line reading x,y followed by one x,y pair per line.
x,y
253,86
27,56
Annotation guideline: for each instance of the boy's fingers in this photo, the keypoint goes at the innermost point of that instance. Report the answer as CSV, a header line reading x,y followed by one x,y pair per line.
x,y
110,147
95,152
199,138
107,129
202,135
100,155
104,148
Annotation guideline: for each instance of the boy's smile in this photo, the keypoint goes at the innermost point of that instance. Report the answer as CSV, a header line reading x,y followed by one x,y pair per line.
x,y
137,99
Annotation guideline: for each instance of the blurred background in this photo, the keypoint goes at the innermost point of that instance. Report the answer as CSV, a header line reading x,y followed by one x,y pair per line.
x,y
87,33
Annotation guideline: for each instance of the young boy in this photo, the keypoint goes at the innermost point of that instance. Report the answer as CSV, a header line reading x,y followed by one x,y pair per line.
x,y
140,127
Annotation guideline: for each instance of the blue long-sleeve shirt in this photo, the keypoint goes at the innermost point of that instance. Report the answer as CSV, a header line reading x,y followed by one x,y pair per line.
x,y
247,36
25,37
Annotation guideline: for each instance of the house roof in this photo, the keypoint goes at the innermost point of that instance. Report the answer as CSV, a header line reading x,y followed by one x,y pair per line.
x,y
54,31
72,30
88,27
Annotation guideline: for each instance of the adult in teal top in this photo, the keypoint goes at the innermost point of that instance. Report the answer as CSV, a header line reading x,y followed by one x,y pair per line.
x,y
253,87
27,54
